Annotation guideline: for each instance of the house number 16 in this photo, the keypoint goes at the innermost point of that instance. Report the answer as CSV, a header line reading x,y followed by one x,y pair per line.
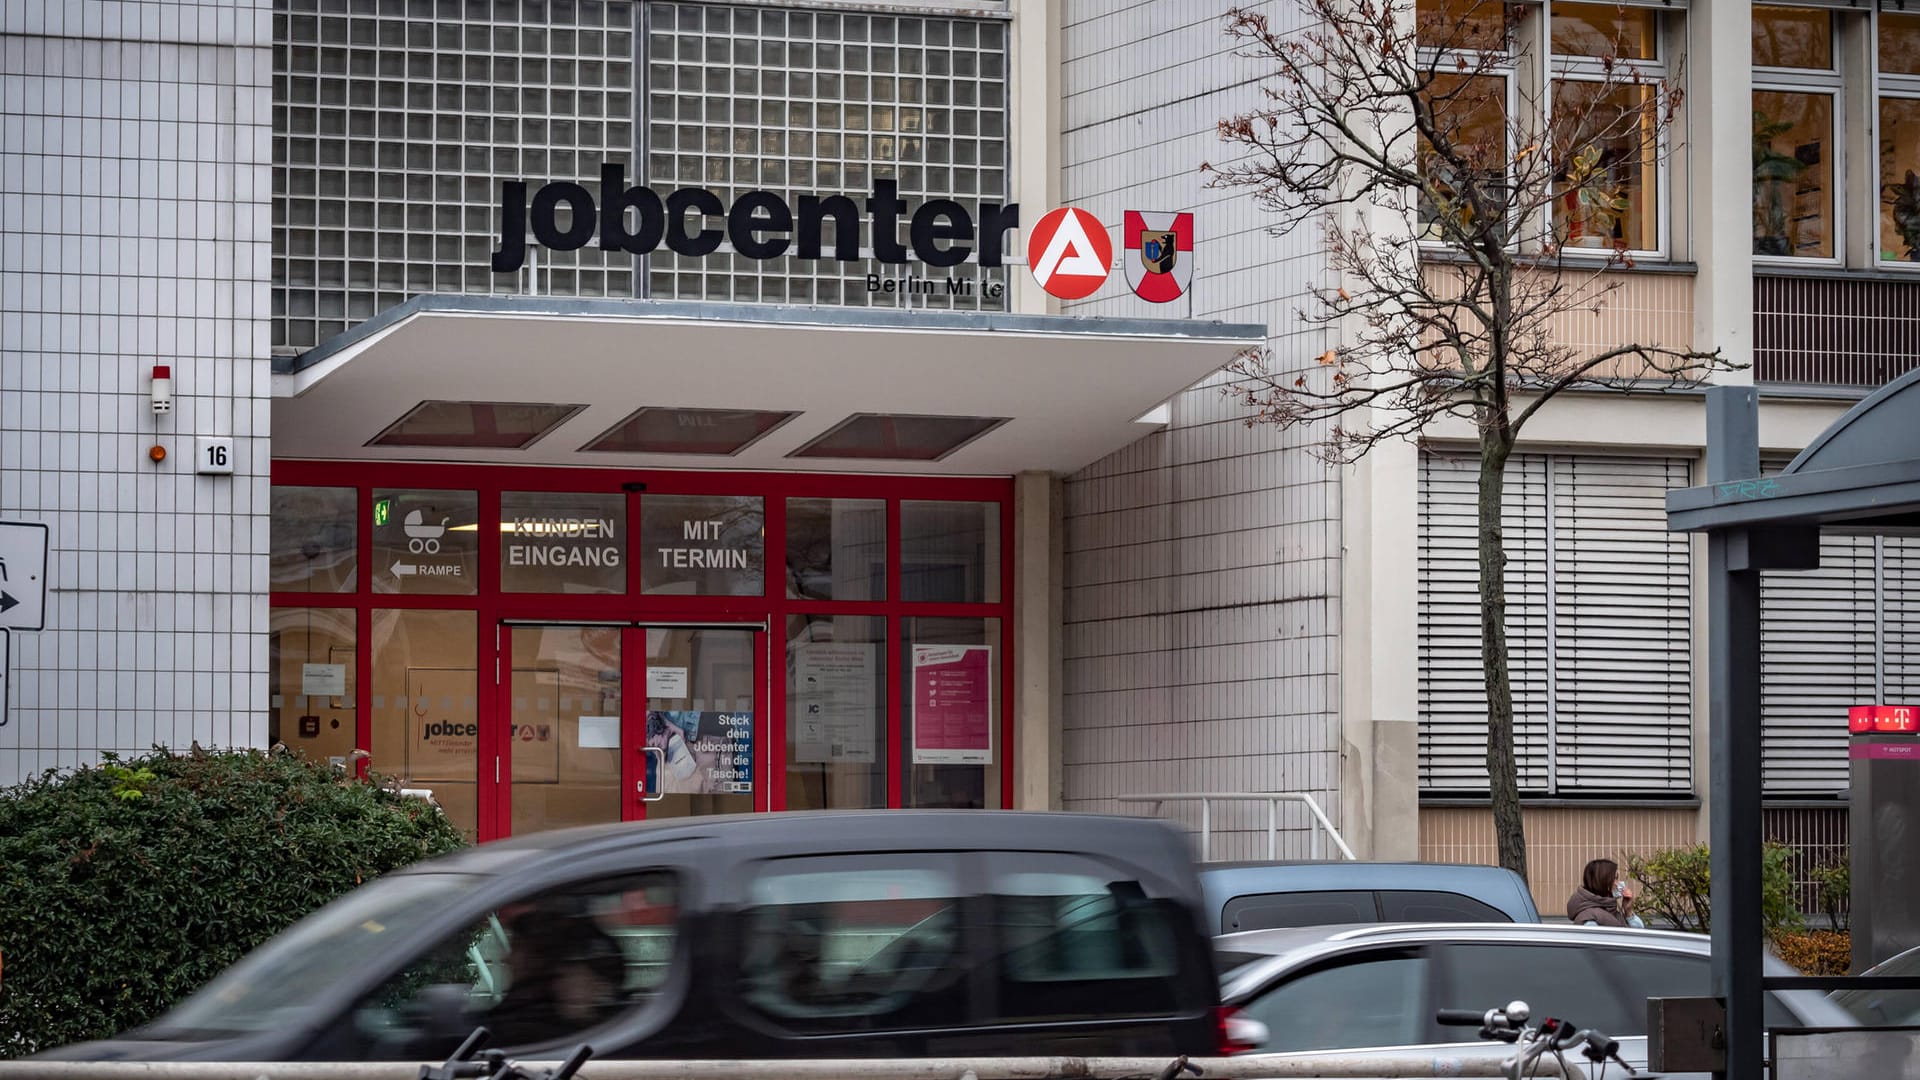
x,y
214,455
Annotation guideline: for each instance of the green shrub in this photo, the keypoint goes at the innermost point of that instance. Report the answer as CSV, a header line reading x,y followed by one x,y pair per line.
x,y
127,886
1833,885
1675,888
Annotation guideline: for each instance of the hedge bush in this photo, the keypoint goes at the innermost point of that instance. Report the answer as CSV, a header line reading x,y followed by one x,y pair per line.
x,y
126,886
1675,889
1816,952
1833,888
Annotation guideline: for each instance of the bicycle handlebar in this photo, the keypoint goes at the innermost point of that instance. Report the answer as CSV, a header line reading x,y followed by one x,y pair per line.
x,y
1554,1035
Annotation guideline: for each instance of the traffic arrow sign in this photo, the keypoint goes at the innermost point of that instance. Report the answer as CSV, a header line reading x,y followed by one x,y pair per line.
x,y
23,575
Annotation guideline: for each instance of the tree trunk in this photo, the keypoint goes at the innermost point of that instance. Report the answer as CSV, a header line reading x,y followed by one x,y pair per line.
x,y
1503,777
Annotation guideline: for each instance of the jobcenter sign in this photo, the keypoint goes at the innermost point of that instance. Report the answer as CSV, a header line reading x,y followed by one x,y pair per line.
x,y
759,224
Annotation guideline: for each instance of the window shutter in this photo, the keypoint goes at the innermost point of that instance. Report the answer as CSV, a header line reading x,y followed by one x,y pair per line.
x,y
1816,660
1453,703
1900,612
1623,642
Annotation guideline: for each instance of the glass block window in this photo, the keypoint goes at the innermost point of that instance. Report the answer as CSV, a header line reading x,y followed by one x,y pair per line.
x,y
825,101
395,122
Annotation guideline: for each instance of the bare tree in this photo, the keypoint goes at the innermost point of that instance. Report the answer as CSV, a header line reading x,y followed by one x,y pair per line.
x,y
1467,227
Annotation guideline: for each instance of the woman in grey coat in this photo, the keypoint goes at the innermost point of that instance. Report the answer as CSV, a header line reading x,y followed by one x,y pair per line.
x,y
1602,898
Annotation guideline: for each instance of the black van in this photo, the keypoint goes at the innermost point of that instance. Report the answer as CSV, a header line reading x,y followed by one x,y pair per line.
x,y
893,933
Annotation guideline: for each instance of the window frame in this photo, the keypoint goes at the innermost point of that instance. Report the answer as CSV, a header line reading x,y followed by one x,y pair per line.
x,y
1238,905
1444,971
632,607
998,982
1883,85
629,1025
1423,953
1548,701
1508,71
1830,82
1385,897
1552,68
968,880
1564,67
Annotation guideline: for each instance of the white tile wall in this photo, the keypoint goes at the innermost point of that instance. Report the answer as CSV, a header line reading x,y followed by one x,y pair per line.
x,y
134,186
1202,564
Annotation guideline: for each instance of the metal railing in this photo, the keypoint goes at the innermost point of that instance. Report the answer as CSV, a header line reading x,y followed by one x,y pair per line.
x,y
1467,1061
1273,799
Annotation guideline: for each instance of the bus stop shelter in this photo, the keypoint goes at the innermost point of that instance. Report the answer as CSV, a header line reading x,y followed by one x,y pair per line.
x,y
1861,476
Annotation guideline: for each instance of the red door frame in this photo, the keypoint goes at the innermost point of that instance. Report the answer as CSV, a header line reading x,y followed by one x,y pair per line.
x,y
773,607
498,789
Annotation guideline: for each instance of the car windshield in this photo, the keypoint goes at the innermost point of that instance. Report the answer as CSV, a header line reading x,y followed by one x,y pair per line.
x,y
275,985
1886,1008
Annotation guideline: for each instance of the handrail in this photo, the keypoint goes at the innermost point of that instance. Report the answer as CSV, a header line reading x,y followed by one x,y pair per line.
x,y
1273,799
1462,1059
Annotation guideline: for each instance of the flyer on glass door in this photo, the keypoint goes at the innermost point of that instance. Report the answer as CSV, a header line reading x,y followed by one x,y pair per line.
x,y
835,702
952,704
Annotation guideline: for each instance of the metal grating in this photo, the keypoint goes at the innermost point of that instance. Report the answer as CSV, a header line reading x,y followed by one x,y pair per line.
x,y
1834,331
1818,837
741,98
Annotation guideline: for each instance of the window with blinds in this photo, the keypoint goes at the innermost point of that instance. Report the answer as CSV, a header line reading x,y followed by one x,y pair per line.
x,y
1843,635
1453,699
1900,613
1817,646
1599,626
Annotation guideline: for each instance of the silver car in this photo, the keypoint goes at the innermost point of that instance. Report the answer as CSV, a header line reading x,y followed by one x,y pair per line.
x,y
1885,1008
1376,988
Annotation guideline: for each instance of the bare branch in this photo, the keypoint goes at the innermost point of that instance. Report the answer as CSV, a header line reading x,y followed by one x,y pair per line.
x,y
1467,223
1461,232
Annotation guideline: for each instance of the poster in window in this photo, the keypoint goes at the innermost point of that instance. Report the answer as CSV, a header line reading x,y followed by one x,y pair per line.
x,y
442,726
834,702
952,704
702,753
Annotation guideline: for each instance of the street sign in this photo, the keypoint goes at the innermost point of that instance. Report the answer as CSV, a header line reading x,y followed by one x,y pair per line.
x,y
23,575
6,687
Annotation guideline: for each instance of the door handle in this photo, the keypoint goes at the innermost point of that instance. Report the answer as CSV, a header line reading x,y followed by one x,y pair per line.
x,y
655,765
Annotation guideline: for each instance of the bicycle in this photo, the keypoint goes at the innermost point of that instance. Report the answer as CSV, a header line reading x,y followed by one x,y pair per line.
x,y
469,1062
1554,1036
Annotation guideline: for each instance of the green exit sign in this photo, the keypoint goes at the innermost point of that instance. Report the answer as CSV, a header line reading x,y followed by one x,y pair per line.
x,y
382,511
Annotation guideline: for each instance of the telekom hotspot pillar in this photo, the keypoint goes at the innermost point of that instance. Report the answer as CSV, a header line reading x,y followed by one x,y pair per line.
x,y
1884,822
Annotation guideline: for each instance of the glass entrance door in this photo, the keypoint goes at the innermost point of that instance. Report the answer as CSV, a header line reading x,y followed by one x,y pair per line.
x,y
563,734
576,747
705,742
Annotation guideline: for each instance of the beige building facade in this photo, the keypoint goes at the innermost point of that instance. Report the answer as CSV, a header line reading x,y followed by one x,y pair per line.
x,y
1187,603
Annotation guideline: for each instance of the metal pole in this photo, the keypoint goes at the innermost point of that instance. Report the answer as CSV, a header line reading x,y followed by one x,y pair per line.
x,y
1273,814
1251,1067
1206,830
1333,833
1733,711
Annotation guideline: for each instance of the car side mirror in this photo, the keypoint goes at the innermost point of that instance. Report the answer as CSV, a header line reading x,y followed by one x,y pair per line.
x,y
1248,1032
